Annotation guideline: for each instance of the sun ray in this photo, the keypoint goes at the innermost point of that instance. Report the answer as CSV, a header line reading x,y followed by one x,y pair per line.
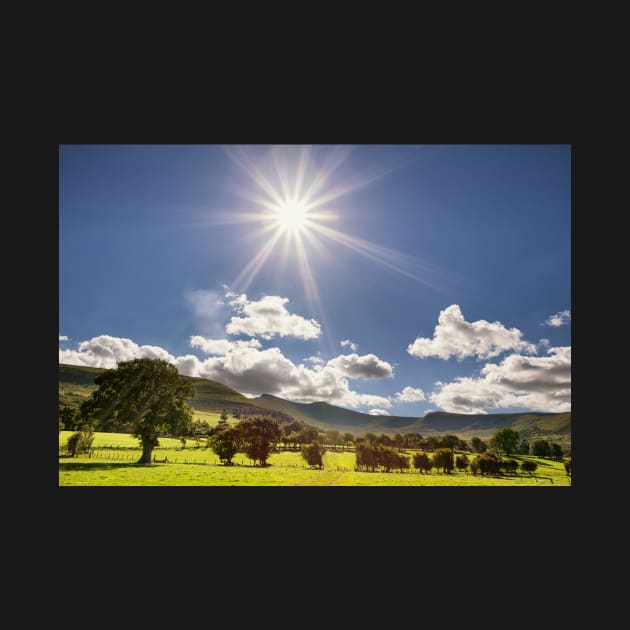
x,y
332,162
293,196
305,153
312,292
378,253
282,172
242,160
251,270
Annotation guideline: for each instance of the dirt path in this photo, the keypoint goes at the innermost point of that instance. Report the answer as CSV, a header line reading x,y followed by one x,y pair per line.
x,y
336,479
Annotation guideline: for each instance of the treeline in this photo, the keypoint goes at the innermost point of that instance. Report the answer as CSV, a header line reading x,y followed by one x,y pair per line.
x,y
259,436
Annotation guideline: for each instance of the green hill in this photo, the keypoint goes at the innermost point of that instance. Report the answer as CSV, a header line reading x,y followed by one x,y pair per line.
x,y
77,382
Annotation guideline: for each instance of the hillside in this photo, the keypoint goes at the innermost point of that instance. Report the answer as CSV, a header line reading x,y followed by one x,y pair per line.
x,y
77,382
326,416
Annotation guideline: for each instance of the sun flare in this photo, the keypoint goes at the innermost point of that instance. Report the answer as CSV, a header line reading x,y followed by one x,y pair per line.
x,y
296,200
292,215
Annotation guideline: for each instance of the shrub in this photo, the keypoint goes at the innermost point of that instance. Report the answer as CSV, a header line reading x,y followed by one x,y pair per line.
x,y
528,466
80,442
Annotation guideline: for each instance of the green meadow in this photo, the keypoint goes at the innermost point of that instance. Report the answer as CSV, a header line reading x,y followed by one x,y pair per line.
x,y
112,463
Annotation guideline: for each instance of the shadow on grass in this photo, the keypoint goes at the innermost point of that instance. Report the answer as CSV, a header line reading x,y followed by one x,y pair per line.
x,y
71,466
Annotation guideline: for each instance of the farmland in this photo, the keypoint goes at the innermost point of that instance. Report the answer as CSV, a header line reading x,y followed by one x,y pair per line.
x,y
112,463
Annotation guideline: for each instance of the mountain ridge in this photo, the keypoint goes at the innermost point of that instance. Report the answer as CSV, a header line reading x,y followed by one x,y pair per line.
x,y
77,382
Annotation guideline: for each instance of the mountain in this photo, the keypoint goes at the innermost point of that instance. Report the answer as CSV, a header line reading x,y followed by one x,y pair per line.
x,y
77,382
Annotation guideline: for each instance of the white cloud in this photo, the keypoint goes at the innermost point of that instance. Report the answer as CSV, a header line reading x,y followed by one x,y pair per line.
x,y
253,372
268,317
544,343
315,360
559,319
455,337
63,338
366,366
538,383
221,346
242,366
378,412
105,351
347,343
409,395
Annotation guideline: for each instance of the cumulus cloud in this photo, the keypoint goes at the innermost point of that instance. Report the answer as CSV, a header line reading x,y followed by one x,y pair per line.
x,y
455,337
378,412
268,317
538,383
559,319
365,366
409,395
221,346
347,343
105,351
253,372
63,338
242,366
315,360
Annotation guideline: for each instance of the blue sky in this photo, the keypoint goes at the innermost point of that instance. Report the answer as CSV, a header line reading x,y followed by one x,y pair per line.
x,y
446,269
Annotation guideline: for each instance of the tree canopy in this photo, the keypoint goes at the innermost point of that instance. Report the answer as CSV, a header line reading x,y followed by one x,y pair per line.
x,y
313,453
225,442
507,440
257,435
146,395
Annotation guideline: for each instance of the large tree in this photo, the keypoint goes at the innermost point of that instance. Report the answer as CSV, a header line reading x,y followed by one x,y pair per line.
x,y
444,459
448,441
462,462
313,453
225,443
540,448
365,455
147,395
421,461
258,434
69,418
478,445
507,440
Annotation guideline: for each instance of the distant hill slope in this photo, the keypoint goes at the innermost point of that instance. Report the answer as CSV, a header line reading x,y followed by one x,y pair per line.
x,y
76,383
531,425
326,416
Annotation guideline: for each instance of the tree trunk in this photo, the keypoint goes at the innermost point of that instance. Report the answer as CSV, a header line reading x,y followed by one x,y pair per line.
x,y
146,454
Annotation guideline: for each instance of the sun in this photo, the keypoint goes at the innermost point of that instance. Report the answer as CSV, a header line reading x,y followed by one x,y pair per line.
x,y
291,216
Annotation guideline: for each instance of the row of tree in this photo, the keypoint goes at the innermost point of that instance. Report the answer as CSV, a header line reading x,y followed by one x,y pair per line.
x,y
149,398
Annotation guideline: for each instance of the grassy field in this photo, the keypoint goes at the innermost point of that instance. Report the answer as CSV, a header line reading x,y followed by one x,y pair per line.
x,y
114,455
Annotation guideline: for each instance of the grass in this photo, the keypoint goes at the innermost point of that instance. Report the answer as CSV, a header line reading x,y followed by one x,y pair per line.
x,y
113,463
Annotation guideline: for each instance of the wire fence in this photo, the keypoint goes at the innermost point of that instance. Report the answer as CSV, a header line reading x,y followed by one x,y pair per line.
x,y
123,454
